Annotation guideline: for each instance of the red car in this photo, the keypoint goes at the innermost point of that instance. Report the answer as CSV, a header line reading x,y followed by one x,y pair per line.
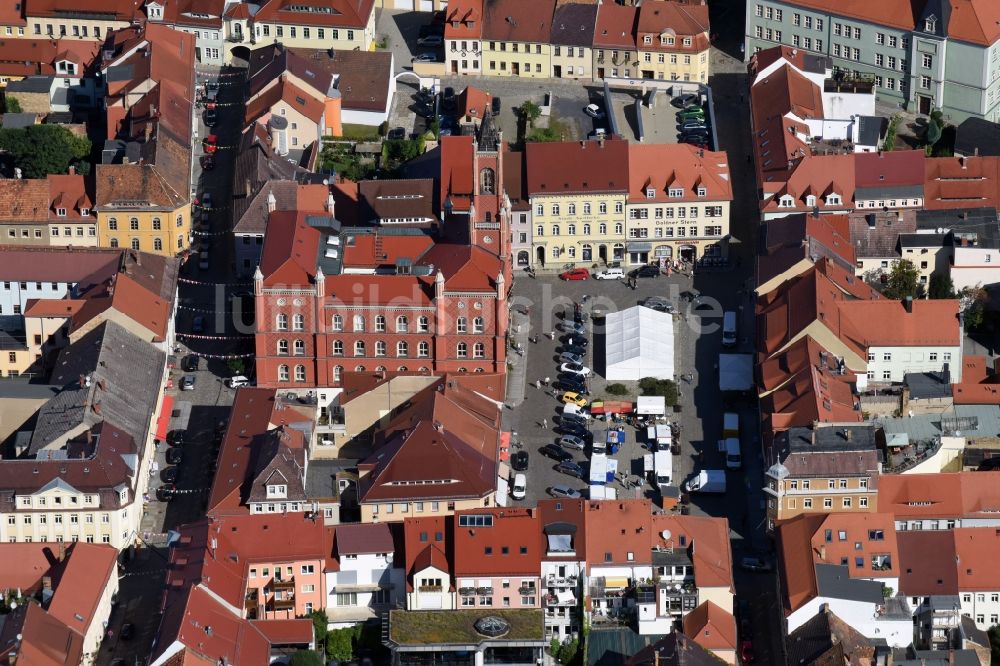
x,y
211,143
746,651
575,274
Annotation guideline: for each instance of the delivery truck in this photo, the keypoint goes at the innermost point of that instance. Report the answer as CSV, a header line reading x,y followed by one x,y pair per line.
x,y
730,448
707,481
663,469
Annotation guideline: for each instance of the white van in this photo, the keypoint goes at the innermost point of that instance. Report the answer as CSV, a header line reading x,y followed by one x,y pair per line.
x,y
730,447
237,381
663,469
729,328
610,274
520,488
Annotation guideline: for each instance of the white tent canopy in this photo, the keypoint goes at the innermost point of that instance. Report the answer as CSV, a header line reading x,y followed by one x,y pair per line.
x,y
639,342
735,372
651,405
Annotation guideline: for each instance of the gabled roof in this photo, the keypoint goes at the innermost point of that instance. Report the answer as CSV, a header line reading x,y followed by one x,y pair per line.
x,y
331,13
616,25
507,546
290,249
358,539
445,445
426,542
875,234
843,537
940,496
463,19
107,10
573,24
283,90
674,18
517,21
827,639
961,182
577,166
665,167
457,154
790,244
711,627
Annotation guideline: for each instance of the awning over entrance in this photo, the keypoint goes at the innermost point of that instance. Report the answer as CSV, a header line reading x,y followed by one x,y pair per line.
x,y
639,247
615,582
163,422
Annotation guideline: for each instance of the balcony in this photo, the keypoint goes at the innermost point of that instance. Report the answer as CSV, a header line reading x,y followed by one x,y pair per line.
x,y
283,584
556,581
429,588
284,604
561,600
609,588
527,590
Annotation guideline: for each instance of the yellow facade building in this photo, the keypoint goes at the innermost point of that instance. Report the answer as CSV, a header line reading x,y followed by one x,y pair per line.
x,y
673,41
65,18
577,192
517,39
323,24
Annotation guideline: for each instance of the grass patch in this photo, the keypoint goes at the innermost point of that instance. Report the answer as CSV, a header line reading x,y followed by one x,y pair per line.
x,y
456,627
360,132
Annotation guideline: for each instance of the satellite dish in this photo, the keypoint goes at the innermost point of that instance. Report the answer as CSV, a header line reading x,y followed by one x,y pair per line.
x,y
665,534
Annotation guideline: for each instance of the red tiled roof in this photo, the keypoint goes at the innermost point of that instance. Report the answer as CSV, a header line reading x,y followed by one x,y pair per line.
x,y
473,102
45,641
616,25
940,496
10,14
975,21
889,168
335,13
682,19
577,166
53,307
464,19
798,238
88,570
465,268
410,290
511,543
457,153
854,535
358,539
980,386
373,250
290,249
797,568
960,182
927,560
117,10
448,440
711,627
286,632
886,323
663,167
518,21
421,538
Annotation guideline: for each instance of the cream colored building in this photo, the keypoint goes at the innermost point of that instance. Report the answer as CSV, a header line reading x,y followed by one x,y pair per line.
x,y
578,193
394,512
325,24
521,59
679,202
673,41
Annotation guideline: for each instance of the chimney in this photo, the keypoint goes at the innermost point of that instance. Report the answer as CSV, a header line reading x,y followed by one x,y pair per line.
x,y
330,203
147,131
975,152
47,582
271,202
812,437
908,304
72,170
822,551
61,551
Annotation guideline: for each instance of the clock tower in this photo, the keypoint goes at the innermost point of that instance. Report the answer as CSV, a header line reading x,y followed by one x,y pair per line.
x,y
489,215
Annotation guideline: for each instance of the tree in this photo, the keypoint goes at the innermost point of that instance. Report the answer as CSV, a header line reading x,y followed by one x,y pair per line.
x,y
236,367
661,387
941,286
933,133
903,281
339,644
529,111
994,634
306,658
972,305
616,389
320,623
40,150
11,105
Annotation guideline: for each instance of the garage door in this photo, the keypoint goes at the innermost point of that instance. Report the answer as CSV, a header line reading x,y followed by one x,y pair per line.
x,y
404,4
426,5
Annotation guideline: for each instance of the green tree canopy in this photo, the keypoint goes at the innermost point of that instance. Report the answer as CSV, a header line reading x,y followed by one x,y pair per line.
x,y
11,105
339,644
903,281
941,286
40,150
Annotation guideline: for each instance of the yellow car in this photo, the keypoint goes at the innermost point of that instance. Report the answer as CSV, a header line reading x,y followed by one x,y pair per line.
x,y
573,398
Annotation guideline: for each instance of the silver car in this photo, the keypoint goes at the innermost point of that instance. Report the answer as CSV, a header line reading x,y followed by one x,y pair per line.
x,y
569,357
572,442
564,491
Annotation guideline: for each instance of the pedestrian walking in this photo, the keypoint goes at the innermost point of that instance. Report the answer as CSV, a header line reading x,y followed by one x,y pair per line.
x,y
546,382
545,424
538,384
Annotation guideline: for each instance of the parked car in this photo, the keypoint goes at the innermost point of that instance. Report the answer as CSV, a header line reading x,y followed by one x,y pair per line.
x,y
424,57
571,468
431,40
495,105
575,274
610,274
190,363
211,144
746,651
553,451
574,398
237,381
698,133
571,327
564,491
567,357
577,340
575,368
658,303
684,100
692,124
647,271
598,133
519,461
187,383
174,456
396,134
576,430
198,324
211,117
207,162
579,386
594,111
566,418
519,489
572,442
166,493
755,563
574,349
176,437
691,114
170,474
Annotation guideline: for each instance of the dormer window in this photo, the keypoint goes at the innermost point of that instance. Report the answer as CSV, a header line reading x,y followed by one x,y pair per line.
x,y
687,41
277,491
930,24
663,39
811,200
675,192
648,39
833,200
702,192
650,192
84,212
61,212
785,202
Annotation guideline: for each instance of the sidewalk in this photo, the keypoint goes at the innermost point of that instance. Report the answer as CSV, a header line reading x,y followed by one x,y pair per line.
x,y
517,365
